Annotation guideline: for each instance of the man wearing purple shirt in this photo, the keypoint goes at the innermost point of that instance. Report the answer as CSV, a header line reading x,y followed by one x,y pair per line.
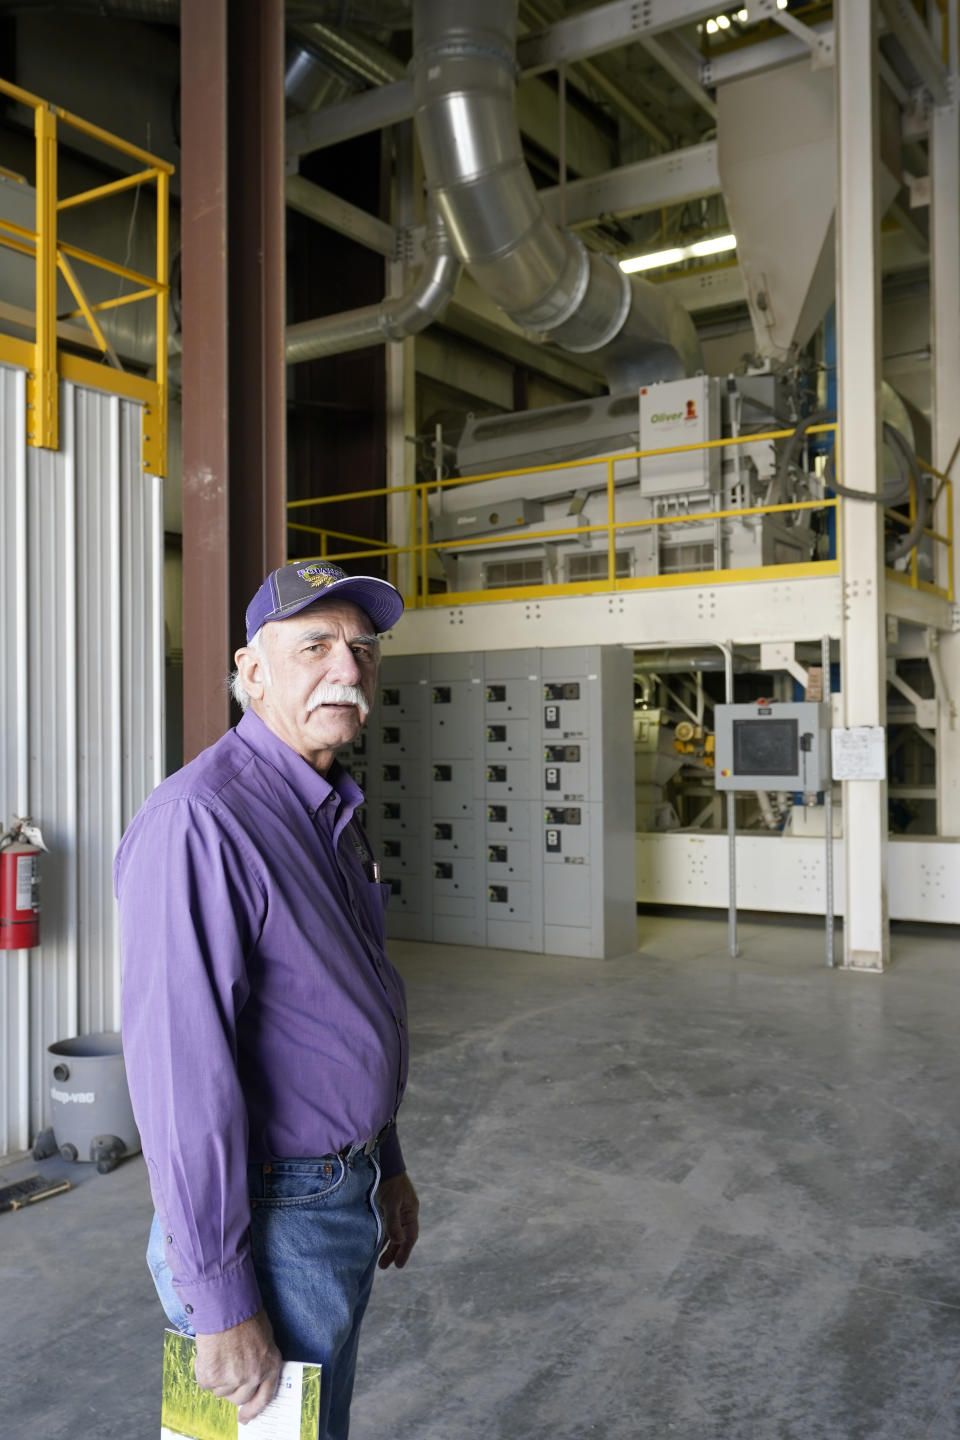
x,y
264,1027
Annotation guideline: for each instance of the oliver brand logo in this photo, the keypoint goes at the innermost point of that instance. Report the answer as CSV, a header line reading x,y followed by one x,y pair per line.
x,y
662,416
74,1097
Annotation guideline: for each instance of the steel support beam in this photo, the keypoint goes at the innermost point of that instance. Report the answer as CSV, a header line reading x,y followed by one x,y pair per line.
x,y
671,179
945,348
918,46
372,110
866,935
329,209
233,367
669,54
763,56
605,27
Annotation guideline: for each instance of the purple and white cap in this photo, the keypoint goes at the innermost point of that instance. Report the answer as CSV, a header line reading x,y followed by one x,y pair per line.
x,y
293,587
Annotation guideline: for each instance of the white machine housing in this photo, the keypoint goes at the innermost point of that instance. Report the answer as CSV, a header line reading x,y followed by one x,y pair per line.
x,y
678,488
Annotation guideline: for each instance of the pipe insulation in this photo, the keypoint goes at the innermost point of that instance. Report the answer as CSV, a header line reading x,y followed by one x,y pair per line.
x,y
390,319
464,78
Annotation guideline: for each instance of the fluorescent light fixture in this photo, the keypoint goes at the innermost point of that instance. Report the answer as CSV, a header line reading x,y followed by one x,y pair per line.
x,y
658,258
653,261
716,246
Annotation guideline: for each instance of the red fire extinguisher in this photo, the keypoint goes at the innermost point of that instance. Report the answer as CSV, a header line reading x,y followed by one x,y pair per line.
x,y
19,886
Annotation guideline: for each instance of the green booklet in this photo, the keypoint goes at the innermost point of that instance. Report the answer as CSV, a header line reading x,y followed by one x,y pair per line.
x,y
188,1411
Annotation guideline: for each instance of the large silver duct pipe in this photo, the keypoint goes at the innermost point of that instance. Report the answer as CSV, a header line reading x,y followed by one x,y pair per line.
x,y
391,319
464,76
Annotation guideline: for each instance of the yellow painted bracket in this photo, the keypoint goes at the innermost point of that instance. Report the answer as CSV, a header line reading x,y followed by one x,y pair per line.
x,y
43,405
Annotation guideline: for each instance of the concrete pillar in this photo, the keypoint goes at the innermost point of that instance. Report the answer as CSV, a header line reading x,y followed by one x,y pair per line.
x,y
863,638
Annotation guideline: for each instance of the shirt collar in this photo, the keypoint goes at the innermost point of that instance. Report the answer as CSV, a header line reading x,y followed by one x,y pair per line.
x,y
310,787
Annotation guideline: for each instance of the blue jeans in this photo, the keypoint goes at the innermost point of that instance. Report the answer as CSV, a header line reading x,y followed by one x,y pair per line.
x,y
315,1234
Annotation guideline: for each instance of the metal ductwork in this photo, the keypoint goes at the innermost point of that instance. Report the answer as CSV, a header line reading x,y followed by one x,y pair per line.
x,y
391,319
464,75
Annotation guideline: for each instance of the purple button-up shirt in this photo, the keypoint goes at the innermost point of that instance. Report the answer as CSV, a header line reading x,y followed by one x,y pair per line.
x,y
261,1016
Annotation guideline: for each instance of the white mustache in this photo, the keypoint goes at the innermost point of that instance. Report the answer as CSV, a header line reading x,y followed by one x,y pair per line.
x,y
327,694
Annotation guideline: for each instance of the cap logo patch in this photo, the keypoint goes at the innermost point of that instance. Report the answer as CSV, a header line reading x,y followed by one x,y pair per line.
x,y
319,576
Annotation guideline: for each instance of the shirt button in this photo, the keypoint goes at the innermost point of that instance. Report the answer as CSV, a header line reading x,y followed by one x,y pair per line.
x,y
169,1239
189,1309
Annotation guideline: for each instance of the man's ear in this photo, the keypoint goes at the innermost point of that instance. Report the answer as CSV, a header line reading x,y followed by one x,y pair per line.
x,y
252,672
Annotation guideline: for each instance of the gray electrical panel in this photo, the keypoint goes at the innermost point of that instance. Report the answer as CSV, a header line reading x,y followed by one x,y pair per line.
x,y
773,746
500,798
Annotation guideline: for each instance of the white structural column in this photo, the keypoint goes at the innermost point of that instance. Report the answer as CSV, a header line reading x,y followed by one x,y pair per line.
x,y
863,649
401,374
945,336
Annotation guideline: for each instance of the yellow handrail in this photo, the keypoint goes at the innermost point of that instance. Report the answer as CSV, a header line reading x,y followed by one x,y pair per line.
x,y
51,255
421,546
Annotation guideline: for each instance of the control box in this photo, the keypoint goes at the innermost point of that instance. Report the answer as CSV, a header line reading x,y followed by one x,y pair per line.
x,y
772,746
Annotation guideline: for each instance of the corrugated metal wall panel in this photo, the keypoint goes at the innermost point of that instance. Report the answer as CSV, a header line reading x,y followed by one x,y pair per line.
x,y
14,965
93,712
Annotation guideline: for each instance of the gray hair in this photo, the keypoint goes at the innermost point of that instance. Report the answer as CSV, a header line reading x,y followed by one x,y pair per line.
x,y
235,684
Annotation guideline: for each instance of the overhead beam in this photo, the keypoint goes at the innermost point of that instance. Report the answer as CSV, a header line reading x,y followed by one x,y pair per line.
x,y
764,56
471,314
605,27
669,55
671,179
371,110
349,220
918,46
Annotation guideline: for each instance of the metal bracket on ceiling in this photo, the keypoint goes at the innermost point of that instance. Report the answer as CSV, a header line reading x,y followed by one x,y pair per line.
x,y
819,44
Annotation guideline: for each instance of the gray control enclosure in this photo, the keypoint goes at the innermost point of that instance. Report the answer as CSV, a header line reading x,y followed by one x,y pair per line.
x,y
500,798
773,746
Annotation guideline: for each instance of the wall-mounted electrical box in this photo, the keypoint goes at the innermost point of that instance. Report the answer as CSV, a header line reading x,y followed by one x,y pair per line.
x,y
772,746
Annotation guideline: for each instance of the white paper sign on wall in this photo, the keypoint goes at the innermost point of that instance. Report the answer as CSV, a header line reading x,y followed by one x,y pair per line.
x,y
859,753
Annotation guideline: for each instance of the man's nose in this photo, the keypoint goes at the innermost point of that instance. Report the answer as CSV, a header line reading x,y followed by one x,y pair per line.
x,y
343,669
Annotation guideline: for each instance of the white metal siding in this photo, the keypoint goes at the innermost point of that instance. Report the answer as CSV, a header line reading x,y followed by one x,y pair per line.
x,y
81,739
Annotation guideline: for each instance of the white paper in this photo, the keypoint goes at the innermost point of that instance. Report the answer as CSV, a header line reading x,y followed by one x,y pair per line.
x,y
281,1418
25,882
859,753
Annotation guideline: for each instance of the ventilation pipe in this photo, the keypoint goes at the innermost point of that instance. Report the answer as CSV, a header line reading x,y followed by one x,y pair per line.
x,y
391,319
464,76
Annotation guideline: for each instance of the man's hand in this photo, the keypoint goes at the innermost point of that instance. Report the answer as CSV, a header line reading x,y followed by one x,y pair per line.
x,y
241,1365
400,1208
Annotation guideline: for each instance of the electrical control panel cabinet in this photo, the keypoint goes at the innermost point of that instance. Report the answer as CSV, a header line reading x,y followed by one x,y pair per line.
x,y
455,836
508,820
773,746
514,797
678,413
509,779
507,739
456,722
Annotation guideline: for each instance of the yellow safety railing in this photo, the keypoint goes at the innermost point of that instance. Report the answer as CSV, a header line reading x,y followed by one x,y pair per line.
x,y
421,546
911,576
52,256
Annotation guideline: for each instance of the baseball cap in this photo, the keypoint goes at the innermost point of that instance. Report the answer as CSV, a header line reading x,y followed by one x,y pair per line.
x,y
293,587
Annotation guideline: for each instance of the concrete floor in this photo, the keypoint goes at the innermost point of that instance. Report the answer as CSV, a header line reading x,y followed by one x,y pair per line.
x,y
665,1195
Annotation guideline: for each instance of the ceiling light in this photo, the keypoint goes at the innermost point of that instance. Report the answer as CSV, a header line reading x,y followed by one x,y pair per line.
x,y
743,16
715,246
658,258
723,21
712,27
781,4
652,261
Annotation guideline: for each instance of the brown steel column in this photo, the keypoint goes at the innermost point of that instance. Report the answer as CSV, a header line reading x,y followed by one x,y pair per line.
x,y
232,222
